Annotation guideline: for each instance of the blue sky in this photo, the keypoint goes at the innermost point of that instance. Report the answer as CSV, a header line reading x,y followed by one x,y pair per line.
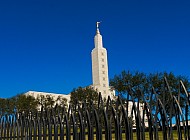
x,y
45,45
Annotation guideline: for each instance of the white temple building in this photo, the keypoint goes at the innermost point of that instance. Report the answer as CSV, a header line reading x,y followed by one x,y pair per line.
x,y
99,71
100,66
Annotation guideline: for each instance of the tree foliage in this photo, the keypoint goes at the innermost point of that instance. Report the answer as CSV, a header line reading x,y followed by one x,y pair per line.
x,y
6,106
139,85
61,102
47,101
84,95
27,103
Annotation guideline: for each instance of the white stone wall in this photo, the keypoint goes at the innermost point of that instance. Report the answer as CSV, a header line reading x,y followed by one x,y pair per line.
x,y
35,94
130,105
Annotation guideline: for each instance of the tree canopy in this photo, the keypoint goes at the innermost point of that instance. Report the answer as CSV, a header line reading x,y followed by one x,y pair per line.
x,y
84,95
139,85
27,103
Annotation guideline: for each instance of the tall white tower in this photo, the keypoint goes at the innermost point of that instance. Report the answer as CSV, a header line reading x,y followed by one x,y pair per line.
x,y
100,65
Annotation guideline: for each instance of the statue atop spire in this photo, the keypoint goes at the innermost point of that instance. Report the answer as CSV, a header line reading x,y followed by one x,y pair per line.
x,y
97,24
97,27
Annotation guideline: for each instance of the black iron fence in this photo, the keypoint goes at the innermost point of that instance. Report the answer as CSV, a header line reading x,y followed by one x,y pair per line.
x,y
134,119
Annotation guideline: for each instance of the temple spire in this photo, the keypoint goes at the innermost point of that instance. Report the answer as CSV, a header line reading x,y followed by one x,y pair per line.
x,y
100,65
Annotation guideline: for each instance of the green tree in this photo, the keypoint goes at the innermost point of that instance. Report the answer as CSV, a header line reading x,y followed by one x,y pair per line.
x,y
50,102
25,103
19,103
84,95
41,101
157,81
46,102
61,102
139,85
6,106
126,81
2,106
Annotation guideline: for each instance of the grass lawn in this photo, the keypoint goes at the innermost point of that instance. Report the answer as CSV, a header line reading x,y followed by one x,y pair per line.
x,y
175,135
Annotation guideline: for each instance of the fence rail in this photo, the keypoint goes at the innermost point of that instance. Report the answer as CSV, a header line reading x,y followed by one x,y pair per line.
x,y
128,119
